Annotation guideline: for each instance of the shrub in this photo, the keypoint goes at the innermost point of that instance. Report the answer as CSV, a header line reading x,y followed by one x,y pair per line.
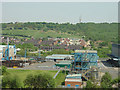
x,y
39,81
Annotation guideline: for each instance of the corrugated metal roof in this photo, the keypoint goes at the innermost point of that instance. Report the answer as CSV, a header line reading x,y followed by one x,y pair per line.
x,y
73,80
73,75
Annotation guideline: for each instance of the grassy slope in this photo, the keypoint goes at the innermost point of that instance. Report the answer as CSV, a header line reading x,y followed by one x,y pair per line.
x,y
23,73
59,80
37,33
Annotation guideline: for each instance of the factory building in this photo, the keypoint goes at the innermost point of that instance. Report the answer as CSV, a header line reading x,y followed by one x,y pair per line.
x,y
115,51
64,64
84,59
64,55
115,55
7,52
85,63
73,81
55,57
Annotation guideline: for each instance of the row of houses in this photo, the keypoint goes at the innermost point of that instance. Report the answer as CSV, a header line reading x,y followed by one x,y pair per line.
x,y
48,41
51,43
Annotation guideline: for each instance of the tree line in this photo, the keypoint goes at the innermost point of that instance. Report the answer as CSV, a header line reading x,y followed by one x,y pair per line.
x,y
91,31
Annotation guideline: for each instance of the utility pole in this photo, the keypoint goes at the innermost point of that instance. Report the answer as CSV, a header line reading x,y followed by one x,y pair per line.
x,y
7,48
39,53
80,19
25,57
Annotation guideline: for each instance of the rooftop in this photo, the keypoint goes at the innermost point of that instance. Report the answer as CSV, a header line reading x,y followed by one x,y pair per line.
x,y
73,80
74,75
55,57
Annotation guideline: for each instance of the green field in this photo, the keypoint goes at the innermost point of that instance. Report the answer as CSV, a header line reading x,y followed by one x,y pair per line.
x,y
23,73
36,34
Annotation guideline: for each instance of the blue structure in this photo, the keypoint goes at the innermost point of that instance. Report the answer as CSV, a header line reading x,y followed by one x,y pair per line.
x,y
84,60
5,52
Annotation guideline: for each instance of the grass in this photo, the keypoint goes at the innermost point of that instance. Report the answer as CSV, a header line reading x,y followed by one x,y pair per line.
x,y
37,33
23,73
59,80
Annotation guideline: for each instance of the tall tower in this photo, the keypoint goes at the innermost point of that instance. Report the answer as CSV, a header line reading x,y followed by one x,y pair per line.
x,y
80,19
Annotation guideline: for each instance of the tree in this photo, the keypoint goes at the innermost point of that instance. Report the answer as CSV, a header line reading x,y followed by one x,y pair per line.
x,y
103,44
4,70
29,81
116,81
106,80
89,84
39,81
11,81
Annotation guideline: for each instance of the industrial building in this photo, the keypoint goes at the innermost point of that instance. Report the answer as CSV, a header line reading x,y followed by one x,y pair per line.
x,y
73,81
115,55
85,62
64,55
84,59
55,57
84,67
64,64
7,52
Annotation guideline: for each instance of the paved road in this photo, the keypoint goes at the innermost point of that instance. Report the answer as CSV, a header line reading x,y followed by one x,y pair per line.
x,y
106,67
42,66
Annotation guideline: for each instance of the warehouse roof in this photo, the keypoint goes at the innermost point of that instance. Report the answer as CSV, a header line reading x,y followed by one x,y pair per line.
x,y
73,80
74,75
55,57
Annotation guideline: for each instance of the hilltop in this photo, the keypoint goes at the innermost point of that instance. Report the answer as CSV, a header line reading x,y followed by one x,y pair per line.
x,y
89,31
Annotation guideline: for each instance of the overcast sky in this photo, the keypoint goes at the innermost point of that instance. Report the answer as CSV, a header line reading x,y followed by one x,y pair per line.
x,y
60,12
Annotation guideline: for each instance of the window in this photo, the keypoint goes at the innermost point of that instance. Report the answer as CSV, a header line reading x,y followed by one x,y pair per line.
x,y
68,85
77,86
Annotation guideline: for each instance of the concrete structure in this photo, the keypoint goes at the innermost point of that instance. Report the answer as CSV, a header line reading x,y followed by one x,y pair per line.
x,y
73,81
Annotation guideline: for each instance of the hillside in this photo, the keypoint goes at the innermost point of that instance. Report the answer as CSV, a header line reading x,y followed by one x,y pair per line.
x,y
92,31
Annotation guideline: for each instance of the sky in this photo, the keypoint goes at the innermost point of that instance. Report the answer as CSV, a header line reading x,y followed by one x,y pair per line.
x,y
60,12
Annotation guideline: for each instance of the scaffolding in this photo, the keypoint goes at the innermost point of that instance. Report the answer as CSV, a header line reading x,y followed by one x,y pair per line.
x,y
83,61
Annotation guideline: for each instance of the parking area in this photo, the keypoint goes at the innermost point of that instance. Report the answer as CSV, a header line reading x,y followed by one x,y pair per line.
x,y
49,65
105,66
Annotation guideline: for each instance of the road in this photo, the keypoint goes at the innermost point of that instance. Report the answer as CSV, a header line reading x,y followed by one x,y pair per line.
x,y
106,67
40,66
